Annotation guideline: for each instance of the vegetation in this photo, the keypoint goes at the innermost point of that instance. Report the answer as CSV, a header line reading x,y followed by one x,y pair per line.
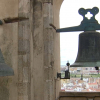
x,y
79,75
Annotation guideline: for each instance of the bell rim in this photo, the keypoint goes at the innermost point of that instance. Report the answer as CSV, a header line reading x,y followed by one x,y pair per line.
x,y
85,64
6,70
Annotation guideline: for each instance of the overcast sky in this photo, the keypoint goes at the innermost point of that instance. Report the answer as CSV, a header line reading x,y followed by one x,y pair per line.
x,y
69,17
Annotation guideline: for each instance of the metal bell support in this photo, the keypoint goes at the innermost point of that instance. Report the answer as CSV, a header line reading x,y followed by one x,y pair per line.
x,y
89,41
67,73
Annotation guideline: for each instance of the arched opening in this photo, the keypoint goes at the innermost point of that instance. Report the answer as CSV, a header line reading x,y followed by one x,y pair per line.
x,y
69,40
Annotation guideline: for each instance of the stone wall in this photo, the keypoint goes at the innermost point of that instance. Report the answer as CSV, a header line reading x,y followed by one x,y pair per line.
x,y
31,48
9,46
79,96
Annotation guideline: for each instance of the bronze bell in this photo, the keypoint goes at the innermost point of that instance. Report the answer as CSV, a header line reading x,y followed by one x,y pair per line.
x,y
5,70
88,50
89,41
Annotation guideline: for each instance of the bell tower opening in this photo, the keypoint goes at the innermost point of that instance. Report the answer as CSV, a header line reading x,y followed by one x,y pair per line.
x,y
69,17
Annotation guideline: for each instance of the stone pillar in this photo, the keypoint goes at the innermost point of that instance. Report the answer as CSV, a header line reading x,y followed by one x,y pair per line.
x,y
24,70
38,47
48,35
56,9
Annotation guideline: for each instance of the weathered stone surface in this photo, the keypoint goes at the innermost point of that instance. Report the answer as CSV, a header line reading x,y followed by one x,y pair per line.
x,y
24,52
32,49
8,8
48,1
47,15
4,93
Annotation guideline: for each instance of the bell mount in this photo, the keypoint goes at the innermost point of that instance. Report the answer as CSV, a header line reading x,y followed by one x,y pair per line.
x,y
86,24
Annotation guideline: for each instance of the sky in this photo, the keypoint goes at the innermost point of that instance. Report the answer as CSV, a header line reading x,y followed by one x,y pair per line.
x,y
69,17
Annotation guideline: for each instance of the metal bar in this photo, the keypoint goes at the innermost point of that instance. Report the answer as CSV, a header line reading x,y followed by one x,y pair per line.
x,y
71,29
15,19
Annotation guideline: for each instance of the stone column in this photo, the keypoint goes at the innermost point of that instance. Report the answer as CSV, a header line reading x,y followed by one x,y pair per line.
x,y
56,8
38,47
48,35
24,70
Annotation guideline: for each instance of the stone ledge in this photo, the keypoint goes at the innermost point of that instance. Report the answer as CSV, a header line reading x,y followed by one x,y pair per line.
x,y
77,94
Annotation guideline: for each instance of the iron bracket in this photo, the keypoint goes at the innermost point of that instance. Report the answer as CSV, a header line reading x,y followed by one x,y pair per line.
x,y
67,73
